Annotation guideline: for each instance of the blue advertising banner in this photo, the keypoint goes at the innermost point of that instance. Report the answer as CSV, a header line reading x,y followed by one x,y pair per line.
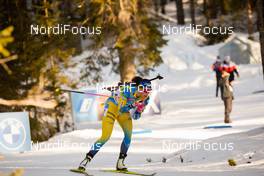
x,y
14,132
84,107
87,107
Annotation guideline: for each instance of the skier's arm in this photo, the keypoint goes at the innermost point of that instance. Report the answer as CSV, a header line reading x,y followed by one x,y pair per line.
x,y
129,101
236,73
126,108
139,108
213,67
146,101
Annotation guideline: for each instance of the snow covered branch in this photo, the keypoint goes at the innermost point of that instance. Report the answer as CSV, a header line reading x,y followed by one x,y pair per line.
x,y
30,101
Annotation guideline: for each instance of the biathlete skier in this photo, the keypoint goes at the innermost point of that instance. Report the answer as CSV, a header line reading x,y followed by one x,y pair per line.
x,y
124,105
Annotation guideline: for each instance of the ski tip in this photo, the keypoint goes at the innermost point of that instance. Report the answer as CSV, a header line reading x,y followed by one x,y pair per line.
x,y
76,170
80,172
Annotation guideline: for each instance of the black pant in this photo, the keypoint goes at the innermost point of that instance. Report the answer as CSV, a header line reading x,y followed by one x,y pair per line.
x,y
231,77
217,84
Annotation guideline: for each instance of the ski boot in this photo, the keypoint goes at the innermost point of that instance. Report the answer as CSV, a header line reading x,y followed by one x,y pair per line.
x,y
120,162
84,162
228,120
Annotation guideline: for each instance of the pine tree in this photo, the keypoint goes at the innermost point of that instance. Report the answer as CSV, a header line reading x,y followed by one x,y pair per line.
x,y
128,33
5,55
40,57
41,60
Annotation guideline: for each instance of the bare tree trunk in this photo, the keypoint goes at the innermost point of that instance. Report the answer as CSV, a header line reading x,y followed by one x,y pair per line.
x,y
127,66
204,6
156,5
250,18
260,6
162,5
222,7
180,12
3,62
206,14
36,97
212,9
192,8
38,101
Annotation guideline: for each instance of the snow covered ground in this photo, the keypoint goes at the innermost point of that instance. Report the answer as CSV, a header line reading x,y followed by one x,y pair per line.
x,y
188,105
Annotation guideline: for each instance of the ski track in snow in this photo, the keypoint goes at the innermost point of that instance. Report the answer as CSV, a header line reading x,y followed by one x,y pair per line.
x,y
188,105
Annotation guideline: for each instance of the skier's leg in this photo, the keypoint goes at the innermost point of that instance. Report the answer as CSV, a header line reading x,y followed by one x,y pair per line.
x,y
228,108
125,122
217,85
107,128
216,93
226,113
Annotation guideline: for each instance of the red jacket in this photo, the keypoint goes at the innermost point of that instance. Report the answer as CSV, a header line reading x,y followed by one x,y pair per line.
x,y
228,68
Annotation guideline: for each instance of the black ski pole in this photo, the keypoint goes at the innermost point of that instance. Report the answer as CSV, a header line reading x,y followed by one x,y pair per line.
x,y
157,77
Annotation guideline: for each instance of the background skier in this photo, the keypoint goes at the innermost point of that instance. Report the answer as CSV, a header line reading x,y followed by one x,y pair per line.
x,y
216,67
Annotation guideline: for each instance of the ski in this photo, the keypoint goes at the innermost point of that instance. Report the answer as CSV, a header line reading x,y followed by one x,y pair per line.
x,y
80,172
128,172
217,126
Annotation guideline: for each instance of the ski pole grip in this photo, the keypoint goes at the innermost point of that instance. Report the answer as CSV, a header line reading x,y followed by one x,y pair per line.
x,y
157,77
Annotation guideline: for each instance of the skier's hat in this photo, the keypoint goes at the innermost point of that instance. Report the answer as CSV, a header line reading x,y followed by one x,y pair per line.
x,y
137,80
146,83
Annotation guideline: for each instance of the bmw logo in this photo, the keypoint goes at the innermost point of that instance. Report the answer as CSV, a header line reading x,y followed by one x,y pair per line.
x,y
12,134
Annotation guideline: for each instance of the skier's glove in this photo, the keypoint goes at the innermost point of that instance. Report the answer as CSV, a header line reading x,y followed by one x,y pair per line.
x,y
135,114
140,106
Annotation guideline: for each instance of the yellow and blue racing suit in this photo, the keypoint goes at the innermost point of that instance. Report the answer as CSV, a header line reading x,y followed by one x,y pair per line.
x,y
117,108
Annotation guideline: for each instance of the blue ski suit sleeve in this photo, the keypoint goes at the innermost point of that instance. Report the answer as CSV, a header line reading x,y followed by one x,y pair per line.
x,y
146,102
